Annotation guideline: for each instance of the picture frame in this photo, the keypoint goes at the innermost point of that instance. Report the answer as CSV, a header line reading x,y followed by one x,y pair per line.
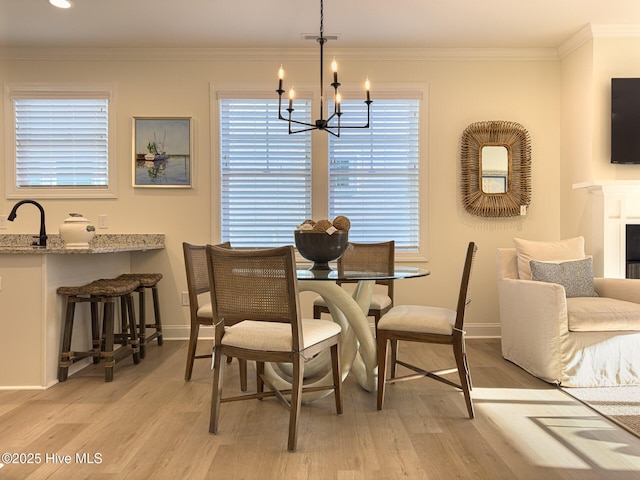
x,y
162,152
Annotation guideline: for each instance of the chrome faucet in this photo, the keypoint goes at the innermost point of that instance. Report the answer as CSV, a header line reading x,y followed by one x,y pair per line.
x,y
42,240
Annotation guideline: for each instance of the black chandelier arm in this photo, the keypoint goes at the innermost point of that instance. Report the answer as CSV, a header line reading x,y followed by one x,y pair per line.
x,y
321,124
343,127
338,114
368,102
312,126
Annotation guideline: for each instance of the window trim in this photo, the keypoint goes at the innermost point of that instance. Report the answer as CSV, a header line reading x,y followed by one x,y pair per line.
x,y
61,91
319,170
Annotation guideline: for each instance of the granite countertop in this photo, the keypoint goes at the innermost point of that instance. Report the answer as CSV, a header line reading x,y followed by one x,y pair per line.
x,y
109,243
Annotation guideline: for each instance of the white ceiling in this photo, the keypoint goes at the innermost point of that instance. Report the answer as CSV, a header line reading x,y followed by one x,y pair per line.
x,y
280,23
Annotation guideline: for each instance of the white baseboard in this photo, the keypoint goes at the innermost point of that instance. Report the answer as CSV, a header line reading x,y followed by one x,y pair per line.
x,y
23,387
483,330
181,332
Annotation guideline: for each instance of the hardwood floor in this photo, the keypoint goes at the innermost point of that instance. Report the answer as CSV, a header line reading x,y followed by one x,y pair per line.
x,y
150,423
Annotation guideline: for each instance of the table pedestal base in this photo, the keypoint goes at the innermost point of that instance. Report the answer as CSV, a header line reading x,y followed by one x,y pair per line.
x,y
358,347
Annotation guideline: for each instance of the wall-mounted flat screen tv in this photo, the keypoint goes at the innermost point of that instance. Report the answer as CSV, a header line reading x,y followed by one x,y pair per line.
x,y
625,120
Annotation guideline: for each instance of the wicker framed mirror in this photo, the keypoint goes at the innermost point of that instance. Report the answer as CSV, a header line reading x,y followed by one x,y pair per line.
x,y
495,161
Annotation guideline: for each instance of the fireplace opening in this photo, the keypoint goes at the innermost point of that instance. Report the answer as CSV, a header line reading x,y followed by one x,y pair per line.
x,y
633,251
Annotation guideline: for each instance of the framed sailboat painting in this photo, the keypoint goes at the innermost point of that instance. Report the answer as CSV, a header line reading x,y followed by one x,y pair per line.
x,y
162,149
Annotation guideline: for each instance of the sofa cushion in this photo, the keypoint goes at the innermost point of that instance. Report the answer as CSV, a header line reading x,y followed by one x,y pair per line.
x,y
600,314
562,250
575,276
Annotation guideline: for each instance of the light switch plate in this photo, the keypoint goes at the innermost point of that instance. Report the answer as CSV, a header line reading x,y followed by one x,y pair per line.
x,y
103,221
3,222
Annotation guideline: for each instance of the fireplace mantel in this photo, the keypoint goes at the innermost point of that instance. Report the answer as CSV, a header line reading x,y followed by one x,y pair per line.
x,y
614,205
611,186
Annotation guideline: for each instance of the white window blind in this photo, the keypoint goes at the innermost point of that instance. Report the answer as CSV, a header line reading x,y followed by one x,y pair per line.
x,y
61,142
265,172
374,173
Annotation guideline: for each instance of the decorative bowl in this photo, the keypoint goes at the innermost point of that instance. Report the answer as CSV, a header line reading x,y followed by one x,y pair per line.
x,y
320,247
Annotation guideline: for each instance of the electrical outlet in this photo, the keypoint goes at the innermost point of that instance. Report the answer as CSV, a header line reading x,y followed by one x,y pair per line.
x,y
185,299
3,222
103,221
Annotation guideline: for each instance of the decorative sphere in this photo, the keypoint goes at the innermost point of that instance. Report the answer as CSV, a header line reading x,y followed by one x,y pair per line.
x,y
342,223
320,247
322,225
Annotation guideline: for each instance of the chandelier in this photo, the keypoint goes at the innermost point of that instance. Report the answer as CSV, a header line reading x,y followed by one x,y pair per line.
x,y
322,123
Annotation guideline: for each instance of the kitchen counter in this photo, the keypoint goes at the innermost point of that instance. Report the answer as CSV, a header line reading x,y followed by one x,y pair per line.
x,y
109,243
31,310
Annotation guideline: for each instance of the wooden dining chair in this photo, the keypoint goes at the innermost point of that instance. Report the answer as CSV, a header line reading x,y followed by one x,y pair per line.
x,y
256,292
419,323
366,257
195,261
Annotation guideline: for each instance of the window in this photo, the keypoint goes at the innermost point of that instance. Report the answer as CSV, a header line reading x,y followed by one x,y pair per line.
x,y
60,143
370,175
374,172
265,172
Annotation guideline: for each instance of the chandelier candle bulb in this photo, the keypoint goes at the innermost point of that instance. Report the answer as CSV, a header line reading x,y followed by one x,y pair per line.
x,y
280,77
291,95
334,67
367,87
338,100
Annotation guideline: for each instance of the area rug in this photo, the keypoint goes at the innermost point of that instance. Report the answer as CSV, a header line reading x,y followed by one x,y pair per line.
x,y
621,405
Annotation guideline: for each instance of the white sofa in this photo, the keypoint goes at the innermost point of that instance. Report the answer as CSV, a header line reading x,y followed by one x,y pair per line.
x,y
575,342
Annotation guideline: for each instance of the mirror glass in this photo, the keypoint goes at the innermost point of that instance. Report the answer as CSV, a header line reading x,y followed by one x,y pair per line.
x,y
495,169
494,165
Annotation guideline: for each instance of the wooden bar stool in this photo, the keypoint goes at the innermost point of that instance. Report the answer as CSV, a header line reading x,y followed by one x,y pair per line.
x,y
147,280
104,292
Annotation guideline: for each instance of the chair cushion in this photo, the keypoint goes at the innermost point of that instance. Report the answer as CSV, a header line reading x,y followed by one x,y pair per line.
x,y
276,337
600,314
527,250
378,301
575,276
419,319
205,310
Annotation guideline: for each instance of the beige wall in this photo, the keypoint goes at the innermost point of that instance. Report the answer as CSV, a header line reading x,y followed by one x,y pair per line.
x,y
460,91
577,141
586,136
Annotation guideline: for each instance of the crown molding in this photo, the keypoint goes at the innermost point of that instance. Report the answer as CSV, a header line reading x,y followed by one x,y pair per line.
x,y
256,54
581,37
616,31
589,32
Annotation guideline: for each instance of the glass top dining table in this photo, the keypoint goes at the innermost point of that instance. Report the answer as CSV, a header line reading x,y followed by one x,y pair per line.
x,y
358,347
356,275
